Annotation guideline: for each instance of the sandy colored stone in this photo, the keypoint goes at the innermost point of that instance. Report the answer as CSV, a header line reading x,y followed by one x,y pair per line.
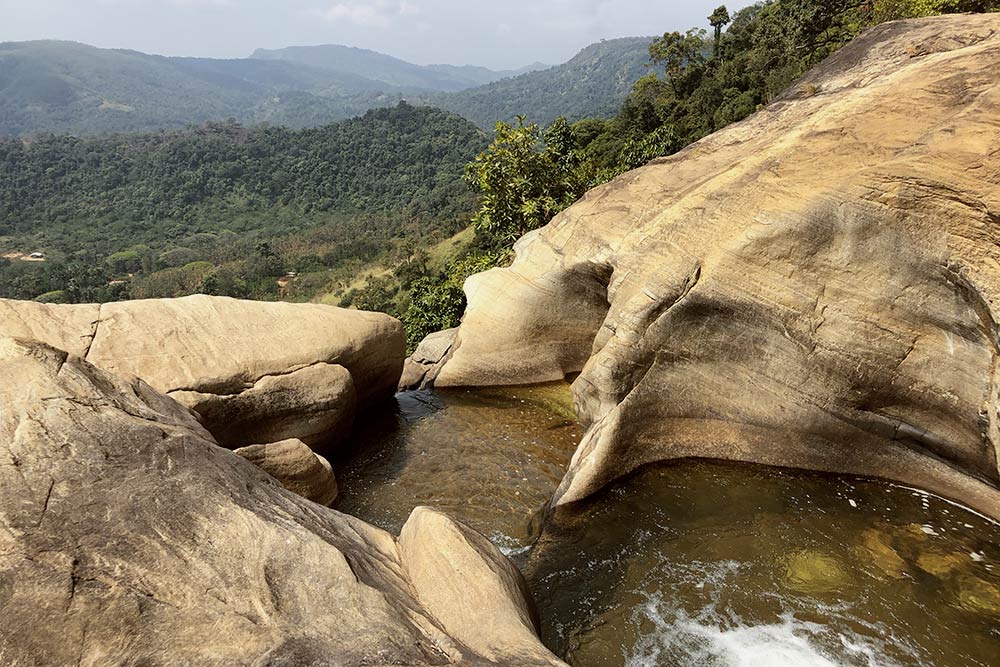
x,y
809,571
433,546
244,365
315,404
297,467
942,563
128,537
813,287
420,368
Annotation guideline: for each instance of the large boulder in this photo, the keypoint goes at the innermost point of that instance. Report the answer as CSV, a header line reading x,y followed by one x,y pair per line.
x,y
813,287
128,537
255,371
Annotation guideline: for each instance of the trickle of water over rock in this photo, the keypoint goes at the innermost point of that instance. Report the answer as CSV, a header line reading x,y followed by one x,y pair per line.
x,y
696,563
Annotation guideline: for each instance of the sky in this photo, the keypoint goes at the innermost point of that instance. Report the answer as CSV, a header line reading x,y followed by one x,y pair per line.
x,y
498,34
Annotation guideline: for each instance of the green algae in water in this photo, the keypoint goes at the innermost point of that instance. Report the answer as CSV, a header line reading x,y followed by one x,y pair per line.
x,y
692,563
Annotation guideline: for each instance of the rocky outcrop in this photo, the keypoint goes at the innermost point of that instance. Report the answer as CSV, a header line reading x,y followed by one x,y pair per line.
x,y
816,286
298,468
255,371
128,537
420,368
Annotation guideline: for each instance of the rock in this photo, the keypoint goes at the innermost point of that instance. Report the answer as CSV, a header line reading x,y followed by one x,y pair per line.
x,y
875,549
255,371
127,537
813,287
815,572
421,367
433,547
298,468
315,404
942,563
978,595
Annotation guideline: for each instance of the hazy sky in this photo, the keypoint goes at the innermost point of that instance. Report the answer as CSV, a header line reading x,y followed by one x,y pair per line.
x,y
493,33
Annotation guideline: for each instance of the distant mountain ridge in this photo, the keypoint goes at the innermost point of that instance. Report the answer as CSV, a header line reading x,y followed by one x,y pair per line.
x,y
387,69
68,87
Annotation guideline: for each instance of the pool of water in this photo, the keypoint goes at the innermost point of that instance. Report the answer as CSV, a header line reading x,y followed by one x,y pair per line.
x,y
694,563
490,458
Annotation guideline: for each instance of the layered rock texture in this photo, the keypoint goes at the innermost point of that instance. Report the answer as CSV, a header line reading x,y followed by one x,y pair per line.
x,y
813,287
128,537
298,468
256,372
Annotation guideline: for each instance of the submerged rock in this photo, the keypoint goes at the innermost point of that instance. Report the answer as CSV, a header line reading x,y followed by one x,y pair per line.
x,y
127,537
298,468
812,287
255,371
815,572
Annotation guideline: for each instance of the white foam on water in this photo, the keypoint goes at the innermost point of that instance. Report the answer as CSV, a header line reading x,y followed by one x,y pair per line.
x,y
715,637
682,641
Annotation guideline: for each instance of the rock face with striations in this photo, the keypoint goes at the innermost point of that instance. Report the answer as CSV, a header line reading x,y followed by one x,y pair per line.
x,y
816,286
256,372
128,537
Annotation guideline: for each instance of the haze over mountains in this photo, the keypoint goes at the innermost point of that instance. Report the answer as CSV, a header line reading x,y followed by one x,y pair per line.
x,y
67,87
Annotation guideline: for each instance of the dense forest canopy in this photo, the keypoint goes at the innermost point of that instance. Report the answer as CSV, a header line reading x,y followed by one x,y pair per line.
x,y
172,198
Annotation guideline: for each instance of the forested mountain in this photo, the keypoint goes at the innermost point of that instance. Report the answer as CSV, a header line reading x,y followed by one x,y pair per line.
x,y
594,83
65,87
380,68
103,208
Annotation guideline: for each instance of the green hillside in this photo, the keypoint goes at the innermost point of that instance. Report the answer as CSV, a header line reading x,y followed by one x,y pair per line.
x,y
594,83
65,87
103,208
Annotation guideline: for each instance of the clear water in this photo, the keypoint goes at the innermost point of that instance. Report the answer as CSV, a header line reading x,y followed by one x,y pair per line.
x,y
694,563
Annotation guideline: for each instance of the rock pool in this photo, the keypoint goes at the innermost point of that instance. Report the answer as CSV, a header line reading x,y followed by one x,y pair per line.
x,y
694,563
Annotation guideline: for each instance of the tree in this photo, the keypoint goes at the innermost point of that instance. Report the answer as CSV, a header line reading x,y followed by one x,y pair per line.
x,y
718,20
525,178
683,59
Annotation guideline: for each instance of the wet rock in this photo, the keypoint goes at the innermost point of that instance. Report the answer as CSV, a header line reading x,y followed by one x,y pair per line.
x,y
942,563
813,287
128,537
875,549
979,595
814,572
298,468
255,371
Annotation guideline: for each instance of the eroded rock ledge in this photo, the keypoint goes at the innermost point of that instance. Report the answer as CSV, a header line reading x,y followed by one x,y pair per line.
x,y
813,287
256,372
127,536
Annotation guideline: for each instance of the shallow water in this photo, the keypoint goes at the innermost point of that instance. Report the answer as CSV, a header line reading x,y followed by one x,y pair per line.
x,y
694,563
490,458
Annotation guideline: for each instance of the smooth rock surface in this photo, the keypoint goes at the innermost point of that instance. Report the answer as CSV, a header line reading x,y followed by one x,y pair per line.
x,y
128,537
813,287
420,368
255,371
298,468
